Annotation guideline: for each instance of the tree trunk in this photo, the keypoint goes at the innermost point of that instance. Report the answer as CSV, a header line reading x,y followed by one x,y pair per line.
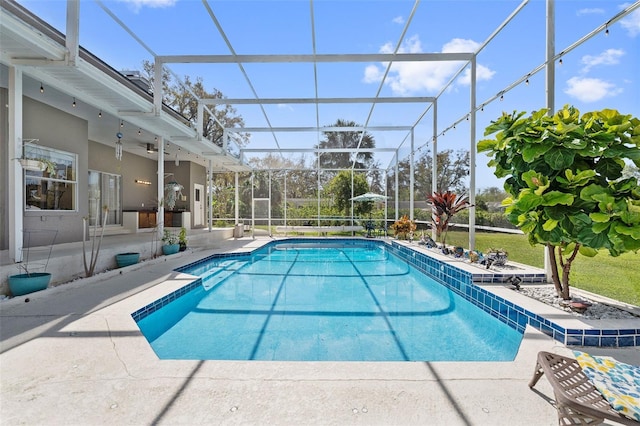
x,y
565,280
566,269
554,269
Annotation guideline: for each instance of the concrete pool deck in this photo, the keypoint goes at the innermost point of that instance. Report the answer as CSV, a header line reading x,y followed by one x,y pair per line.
x,y
73,355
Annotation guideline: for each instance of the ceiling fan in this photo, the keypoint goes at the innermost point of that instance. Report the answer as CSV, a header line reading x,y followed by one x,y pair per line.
x,y
151,148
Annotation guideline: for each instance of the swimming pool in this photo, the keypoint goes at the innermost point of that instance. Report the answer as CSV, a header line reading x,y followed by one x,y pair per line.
x,y
344,300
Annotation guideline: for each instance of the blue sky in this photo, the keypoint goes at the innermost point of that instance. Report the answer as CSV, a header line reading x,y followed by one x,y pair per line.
x,y
602,73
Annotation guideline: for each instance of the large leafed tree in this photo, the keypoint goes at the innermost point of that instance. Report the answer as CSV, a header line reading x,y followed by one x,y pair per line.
x,y
566,184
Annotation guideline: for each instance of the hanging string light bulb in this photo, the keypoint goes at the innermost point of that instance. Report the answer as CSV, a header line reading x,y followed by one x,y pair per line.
x,y
119,147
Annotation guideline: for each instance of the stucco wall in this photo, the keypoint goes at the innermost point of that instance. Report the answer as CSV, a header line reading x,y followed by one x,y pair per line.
x,y
135,196
57,129
187,174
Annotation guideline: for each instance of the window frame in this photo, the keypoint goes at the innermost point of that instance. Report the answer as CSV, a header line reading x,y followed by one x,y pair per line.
x,y
118,217
66,163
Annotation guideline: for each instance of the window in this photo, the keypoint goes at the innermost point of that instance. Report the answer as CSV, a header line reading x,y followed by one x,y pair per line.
x,y
105,189
54,187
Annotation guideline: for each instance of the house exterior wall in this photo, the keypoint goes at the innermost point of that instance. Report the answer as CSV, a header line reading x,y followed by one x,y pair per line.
x,y
57,129
187,174
135,196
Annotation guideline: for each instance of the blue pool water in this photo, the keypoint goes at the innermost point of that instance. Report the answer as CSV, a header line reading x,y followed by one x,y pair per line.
x,y
323,302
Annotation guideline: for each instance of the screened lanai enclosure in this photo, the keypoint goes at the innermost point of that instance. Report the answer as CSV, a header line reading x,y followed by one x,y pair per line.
x,y
309,174
314,106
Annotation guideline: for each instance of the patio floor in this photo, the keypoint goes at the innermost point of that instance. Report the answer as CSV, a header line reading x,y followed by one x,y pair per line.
x,y
73,355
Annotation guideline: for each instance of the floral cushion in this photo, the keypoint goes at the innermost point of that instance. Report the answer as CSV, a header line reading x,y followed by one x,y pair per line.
x,y
618,382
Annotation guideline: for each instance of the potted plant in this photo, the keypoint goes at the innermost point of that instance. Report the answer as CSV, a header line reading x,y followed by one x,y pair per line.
x,y
182,239
403,227
127,259
38,164
564,175
171,243
28,282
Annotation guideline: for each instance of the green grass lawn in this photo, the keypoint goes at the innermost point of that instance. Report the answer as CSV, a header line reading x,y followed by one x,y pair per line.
x,y
614,277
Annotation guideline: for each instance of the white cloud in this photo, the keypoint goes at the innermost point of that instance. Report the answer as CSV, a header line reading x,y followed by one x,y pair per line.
x,y
285,106
136,5
372,74
398,20
591,11
631,23
482,74
608,57
590,89
460,45
406,78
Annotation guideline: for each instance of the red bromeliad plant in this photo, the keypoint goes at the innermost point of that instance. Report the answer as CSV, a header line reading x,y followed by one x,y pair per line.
x,y
444,205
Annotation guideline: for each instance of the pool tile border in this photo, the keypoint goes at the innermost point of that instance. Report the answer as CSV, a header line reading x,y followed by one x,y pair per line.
x,y
154,306
462,283
454,278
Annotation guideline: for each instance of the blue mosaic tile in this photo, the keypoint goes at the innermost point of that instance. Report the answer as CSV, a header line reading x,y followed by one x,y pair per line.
x,y
574,340
624,341
591,341
558,336
609,341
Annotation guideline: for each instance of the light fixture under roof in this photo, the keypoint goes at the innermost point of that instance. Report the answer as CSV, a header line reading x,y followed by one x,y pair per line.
x,y
151,148
41,88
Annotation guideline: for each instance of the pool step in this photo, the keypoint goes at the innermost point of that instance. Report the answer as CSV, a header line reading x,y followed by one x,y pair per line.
x,y
216,275
215,279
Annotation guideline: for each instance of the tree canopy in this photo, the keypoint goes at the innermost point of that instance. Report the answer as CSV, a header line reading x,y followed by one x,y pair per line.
x,y
453,168
340,188
347,139
565,181
183,98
